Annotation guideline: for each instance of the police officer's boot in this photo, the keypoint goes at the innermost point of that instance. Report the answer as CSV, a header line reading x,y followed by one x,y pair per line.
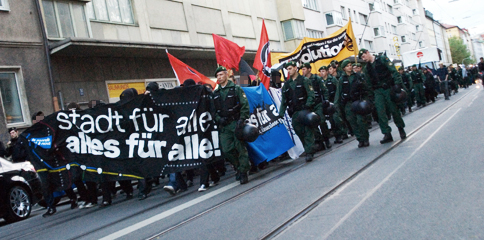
x,y
403,135
328,143
309,157
337,139
387,138
361,144
244,178
409,108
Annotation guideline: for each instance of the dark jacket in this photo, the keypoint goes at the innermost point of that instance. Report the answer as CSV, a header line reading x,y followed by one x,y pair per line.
x,y
17,150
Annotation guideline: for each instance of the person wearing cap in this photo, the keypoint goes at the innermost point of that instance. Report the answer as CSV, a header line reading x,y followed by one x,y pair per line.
x,y
337,125
298,95
352,87
231,111
418,79
321,101
381,76
408,87
338,69
357,67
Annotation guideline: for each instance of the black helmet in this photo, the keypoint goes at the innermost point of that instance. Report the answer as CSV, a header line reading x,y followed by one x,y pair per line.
x,y
309,118
362,107
401,96
247,133
330,109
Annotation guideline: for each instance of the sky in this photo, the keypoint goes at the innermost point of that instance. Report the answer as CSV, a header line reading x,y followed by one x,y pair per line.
x,y
463,13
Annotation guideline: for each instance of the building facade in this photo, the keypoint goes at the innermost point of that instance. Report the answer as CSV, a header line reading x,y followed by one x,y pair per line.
x,y
25,85
455,31
437,37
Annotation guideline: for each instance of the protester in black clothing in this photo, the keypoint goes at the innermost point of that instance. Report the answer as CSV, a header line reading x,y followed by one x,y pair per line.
x,y
15,147
481,65
429,85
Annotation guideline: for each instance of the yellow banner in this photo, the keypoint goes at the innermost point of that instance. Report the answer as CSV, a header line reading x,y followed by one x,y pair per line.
x,y
115,89
321,51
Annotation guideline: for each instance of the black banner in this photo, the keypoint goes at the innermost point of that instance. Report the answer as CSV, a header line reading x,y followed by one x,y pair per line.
x,y
168,131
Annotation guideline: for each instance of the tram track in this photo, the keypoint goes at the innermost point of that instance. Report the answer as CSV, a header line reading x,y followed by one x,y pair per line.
x,y
275,231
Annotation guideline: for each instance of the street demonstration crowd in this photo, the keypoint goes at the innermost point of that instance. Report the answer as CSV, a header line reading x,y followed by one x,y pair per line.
x,y
348,95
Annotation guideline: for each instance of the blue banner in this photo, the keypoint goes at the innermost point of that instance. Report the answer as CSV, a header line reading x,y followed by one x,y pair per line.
x,y
273,138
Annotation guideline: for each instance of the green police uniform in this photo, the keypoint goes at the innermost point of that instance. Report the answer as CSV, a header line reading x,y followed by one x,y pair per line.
x,y
381,75
352,88
408,86
321,95
231,105
337,124
418,79
298,95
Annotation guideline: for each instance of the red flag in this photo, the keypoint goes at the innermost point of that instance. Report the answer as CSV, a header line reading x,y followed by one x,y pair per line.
x,y
227,52
262,61
184,72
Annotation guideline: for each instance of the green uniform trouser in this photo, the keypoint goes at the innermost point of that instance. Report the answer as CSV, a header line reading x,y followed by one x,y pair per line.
x,y
233,149
358,123
340,128
419,93
305,134
383,102
324,134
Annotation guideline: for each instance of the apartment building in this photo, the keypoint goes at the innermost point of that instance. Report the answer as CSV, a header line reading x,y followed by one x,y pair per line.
x,y
455,31
25,86
437,37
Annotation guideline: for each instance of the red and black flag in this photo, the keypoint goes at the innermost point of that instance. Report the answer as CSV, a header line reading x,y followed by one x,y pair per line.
x,y
227,52
262,61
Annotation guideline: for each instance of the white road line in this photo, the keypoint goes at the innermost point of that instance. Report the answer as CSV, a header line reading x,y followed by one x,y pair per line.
x,y
372,191
168,213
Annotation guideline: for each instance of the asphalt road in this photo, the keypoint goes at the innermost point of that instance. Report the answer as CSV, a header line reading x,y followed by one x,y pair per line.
x,y
429,186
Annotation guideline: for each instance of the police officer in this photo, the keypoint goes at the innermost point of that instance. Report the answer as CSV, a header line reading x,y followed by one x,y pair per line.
x,y
15,147
381,75
232,109
408,86
321,97
356,67
298,95
339,129
418,79
351,87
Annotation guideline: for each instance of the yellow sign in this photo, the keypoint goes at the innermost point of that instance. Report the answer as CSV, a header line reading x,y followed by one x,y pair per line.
x,y
115,89
321,51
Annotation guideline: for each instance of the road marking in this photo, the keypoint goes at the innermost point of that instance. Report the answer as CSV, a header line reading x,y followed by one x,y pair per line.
x,y
168,213
372,191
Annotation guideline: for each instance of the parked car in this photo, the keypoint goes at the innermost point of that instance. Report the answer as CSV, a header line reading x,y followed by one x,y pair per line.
x,y
20,189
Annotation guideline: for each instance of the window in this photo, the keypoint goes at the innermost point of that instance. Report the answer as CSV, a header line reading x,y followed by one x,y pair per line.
x,y
293,29
394,29
363,19
343,13
404,39
355,19
369,45
349,13
4,5
418,28
379,31
397,1
334,18
415,11
414,37
400,19
116,11
64,19
311,4
14,102
375,6
314,33
421,44
390,9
